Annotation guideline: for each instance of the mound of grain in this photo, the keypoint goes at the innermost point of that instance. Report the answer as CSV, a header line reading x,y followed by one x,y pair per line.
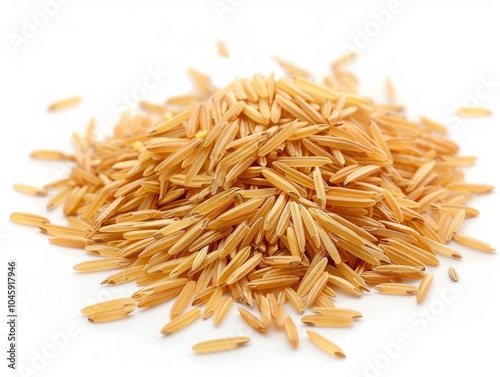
x,y
262,192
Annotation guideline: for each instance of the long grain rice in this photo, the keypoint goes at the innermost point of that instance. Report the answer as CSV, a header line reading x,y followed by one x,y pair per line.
x,y
31,190
252,320
325,344
472,242
291,332
219,345
266,191
424,287
181,321
64,103
473,112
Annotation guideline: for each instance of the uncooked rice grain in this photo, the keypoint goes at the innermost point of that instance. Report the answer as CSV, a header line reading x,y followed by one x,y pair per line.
x,y
473,112
453,274
268,191
218,345
64,103
181,321
424,287
325,344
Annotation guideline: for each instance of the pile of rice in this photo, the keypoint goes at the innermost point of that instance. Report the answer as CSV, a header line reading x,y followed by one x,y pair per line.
x,y
262,192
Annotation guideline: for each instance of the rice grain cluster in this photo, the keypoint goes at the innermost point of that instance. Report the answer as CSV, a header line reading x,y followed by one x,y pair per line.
x,y
263,192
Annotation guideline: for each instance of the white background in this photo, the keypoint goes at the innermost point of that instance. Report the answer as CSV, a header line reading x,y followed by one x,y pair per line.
x,y
437,58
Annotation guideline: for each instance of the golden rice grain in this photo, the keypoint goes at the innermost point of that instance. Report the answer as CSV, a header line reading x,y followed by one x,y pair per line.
x,y
424,287
391,94
64,103
472,242
222,309
344,284
219,345
154,299
182,300
413,252
160,285
471,187
44,154
28,219
61,230
238,259
352,276
397,269
31,190
294,299
281,183
325,300
71,241
473,112
99,265
244,269
265,309
181,321
280,314
337,312
328,243
273,282
316,289
326,320
439,248
313,274
455,224
107,306
128,274
291,332
222,49
111,315
396,289
212,303
252,320
452,273
325,344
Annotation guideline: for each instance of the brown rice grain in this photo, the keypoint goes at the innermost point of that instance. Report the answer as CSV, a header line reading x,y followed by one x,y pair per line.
x,y
473,112
181,321
252,320
325,344
64,103
220,345
424,287
472,242
182,301
291,332
452,273
396,289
